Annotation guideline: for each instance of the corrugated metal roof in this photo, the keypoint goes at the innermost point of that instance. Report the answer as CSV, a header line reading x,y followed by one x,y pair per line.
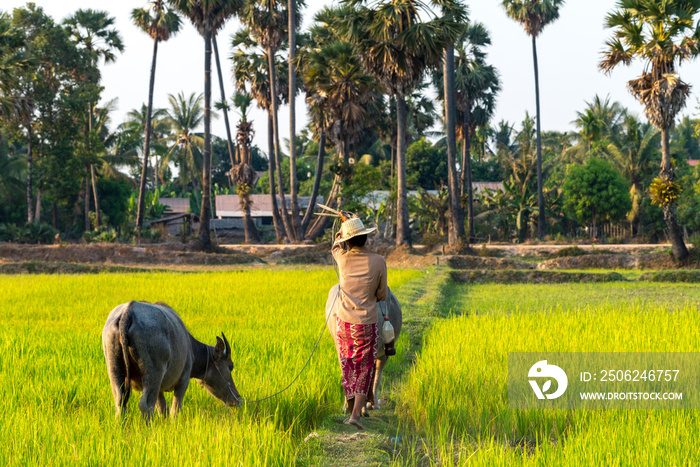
x,y
177,205
481,186
228,206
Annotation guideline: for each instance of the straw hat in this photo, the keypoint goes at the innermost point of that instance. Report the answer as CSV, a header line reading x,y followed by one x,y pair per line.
x,y
352,228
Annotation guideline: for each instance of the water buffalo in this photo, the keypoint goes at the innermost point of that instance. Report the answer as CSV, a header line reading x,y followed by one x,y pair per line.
x,y
148,347
390,307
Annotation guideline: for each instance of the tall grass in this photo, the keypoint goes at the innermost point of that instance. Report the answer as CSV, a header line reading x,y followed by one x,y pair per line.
x,y
457,392
56,406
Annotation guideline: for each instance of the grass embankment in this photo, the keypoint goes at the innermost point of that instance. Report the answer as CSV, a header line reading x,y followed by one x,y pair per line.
x,y
424,299
56,406
457,393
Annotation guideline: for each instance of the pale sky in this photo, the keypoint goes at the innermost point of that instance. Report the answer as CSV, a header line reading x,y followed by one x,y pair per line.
x,y
568,51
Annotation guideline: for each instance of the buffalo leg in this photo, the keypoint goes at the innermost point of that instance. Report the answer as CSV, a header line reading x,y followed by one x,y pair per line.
x,y
148,401
381,362
151,390
179,394
162,405
369,402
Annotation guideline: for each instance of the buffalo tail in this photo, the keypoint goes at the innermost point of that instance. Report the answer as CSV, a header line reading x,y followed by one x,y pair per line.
x,y
124,325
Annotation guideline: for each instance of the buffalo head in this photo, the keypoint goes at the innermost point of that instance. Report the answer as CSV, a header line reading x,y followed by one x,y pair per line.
x,y
217,378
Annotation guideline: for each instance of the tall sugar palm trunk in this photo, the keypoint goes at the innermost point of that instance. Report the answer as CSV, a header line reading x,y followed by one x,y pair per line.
x,y
278,156
467,186
224,108
479,86
161,26
276,218
251,71
534,15
662,35
403,233
91,169
456,223
317,180
147,140
293,184
30,161
243,174
541,226
207,16
667,174
86,198
205,211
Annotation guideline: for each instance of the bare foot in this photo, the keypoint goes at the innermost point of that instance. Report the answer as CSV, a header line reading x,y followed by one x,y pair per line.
x,y
354,422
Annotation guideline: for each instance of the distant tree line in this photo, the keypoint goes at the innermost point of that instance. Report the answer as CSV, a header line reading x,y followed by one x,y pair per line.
x,y
369,74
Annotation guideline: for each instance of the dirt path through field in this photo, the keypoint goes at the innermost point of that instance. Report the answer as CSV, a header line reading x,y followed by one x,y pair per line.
x,y
423,300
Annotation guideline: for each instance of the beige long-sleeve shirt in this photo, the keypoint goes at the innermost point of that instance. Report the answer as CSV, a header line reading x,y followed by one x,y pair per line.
x,y
362,284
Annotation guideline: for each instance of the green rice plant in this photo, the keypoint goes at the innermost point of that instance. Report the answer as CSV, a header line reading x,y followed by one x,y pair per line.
x,y
457,394
56,405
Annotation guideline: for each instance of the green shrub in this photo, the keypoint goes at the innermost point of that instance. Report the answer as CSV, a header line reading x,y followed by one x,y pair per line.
x,y
38,233
10,233
30,233
103,234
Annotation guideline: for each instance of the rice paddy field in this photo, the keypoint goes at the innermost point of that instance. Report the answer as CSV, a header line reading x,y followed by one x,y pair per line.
x,y
457,394
451,400
56,406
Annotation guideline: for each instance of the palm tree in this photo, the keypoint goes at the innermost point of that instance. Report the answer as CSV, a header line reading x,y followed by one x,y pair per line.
x,y
600,121
519,167
591,128
684,141
135,126
160,25
207,16
396,46
185,116
421,114
116,152
313,67
251,75
476,85
484,133
456,232
339,95
662,35
266,20
633,150
243,174
92,29
534,15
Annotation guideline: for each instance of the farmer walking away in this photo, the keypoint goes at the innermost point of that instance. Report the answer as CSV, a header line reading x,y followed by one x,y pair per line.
x,y
363,282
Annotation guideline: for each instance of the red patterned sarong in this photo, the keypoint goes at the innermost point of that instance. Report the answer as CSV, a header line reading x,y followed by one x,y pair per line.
x,y
357,351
